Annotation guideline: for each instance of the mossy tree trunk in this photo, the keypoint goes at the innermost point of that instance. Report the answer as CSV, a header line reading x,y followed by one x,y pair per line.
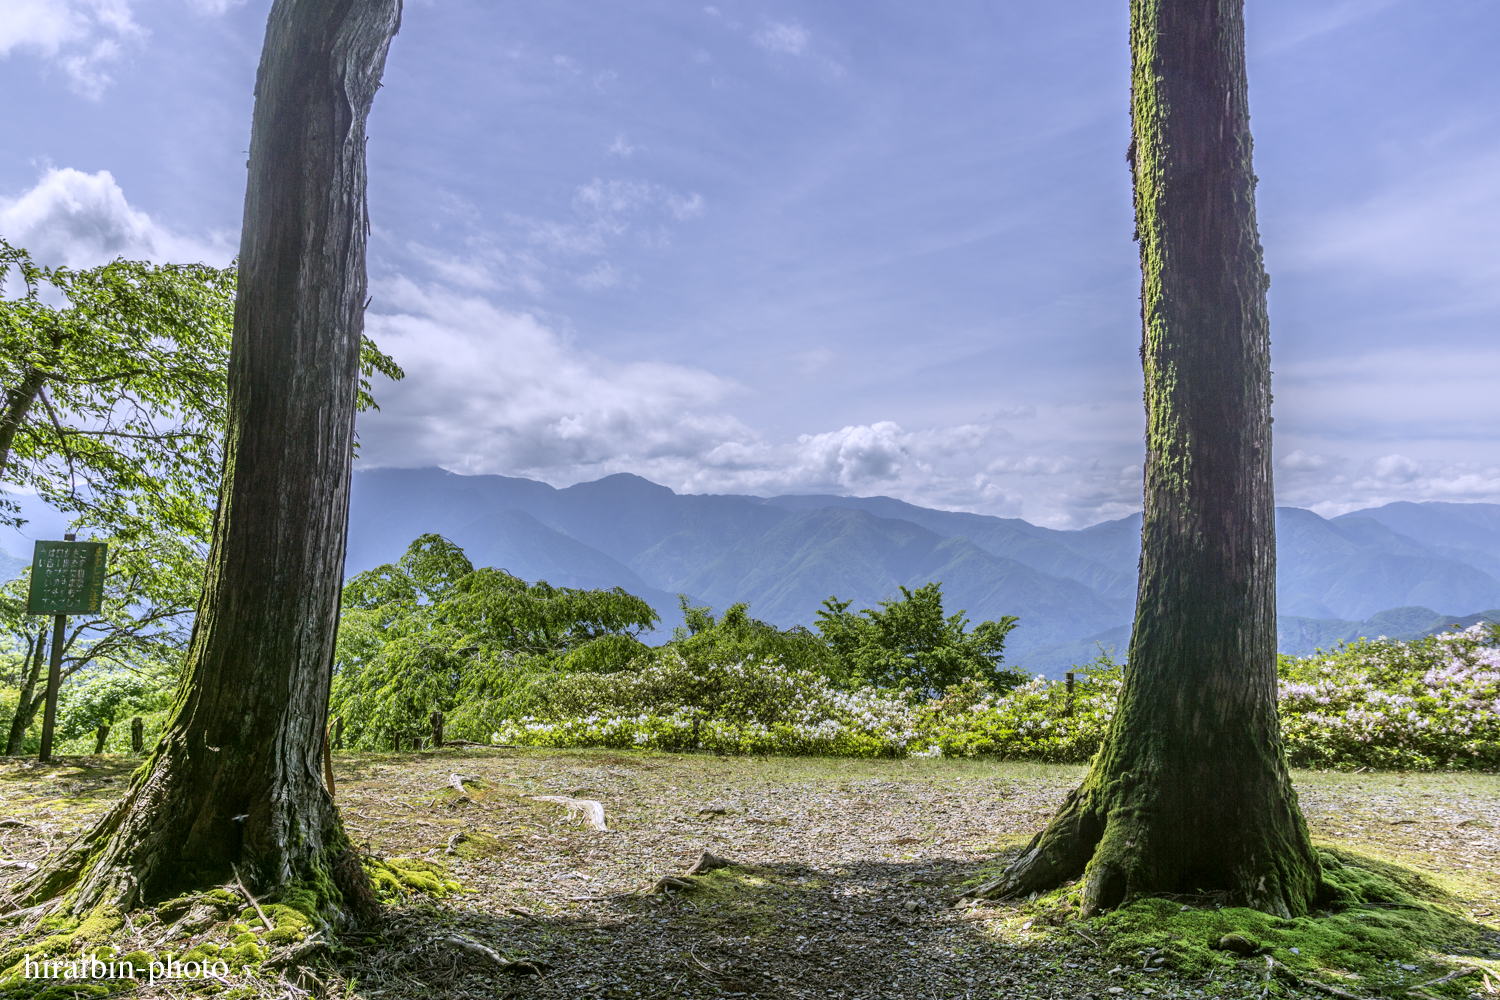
x,y
1190,791
237,778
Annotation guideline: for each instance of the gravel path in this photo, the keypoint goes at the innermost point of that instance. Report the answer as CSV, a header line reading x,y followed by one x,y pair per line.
x,y
844,875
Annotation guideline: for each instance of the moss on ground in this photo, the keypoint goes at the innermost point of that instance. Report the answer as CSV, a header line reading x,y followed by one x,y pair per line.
x,y
397,880
1384,930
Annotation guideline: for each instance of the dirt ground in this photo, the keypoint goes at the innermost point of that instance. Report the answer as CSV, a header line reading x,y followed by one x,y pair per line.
x,y
843,886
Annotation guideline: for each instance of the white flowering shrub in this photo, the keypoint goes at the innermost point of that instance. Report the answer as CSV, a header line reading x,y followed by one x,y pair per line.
x,y
1429,704
1433,703
1035,721
752,706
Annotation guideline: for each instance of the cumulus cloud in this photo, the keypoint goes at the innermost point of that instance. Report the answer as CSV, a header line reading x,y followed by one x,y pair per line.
x,y
81,37
78,219
491,390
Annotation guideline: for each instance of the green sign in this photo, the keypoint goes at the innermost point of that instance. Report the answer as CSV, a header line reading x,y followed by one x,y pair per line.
x,y
67,578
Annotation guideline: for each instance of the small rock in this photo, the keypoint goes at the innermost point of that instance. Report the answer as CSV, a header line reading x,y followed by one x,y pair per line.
x,y
1408,968
910,904
1116,990
1239,944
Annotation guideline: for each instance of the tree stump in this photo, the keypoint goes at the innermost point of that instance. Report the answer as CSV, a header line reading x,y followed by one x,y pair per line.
x,y
137,735
338,732
100,735
437,730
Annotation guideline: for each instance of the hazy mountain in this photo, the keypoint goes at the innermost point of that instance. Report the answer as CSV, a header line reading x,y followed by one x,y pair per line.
x,y
11,566
785,555
1466,532
1295,635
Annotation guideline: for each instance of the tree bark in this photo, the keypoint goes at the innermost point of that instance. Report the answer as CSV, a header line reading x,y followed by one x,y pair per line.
x,y
28,701
1190,792
237,778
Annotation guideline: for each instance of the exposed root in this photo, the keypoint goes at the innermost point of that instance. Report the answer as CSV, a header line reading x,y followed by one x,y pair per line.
x,y
592,811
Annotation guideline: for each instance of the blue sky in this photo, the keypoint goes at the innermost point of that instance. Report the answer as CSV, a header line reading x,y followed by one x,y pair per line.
x,y
875,248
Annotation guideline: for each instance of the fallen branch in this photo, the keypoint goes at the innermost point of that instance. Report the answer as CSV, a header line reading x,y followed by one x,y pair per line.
x,y
592,811
293,956
454,841
1455,974
253,902
1287,974
1080,933
706,967
525,967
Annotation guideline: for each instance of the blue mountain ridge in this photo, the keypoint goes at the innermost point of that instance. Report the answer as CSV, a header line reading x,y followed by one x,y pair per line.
x,y
1362,573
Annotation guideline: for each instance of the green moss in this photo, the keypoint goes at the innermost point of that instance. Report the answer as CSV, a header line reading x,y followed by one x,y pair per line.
x,y
1383,917
397,879
291,923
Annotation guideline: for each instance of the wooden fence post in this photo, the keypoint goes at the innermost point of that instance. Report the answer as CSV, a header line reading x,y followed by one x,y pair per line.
x,y
101,734
137,735
437,730
338,732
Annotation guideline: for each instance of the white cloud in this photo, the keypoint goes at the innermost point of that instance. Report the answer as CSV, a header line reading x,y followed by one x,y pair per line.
x,y
82,37
489,390
495,391
620,147
81,220
1301,461
787,38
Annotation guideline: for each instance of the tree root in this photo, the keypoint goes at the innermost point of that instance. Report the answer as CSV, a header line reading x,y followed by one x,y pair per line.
x,y
592,811
524,967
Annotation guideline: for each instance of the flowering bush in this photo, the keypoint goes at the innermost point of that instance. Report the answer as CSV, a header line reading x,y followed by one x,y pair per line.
x,y
1032,722
751,706
1431,703
1434,703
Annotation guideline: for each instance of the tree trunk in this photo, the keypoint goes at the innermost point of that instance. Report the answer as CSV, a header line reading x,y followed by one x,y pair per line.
x,y
1190,792
237,778
28,701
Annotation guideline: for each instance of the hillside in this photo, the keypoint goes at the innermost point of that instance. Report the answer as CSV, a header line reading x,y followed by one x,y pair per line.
x,y
785,555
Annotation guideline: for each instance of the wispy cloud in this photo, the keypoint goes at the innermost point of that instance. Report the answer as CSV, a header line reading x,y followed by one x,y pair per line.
x,y
1306,21
1438,221
533,255
783,38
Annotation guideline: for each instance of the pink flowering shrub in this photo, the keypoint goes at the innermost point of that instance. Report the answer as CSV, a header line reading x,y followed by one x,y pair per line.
x,y
1433,703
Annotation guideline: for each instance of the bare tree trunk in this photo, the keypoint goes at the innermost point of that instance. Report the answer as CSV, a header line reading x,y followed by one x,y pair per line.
x,y
29,701
1190,791
237,778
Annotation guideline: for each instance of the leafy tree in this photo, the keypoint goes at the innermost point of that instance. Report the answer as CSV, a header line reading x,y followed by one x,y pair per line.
x,y
1190,791
114,383
431,632
151,586
910,644
735,637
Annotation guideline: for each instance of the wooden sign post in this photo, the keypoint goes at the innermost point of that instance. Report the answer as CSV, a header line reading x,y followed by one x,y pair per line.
x,y
67,578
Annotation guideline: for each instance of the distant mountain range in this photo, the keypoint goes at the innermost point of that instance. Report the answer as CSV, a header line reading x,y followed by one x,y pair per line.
x,y
1370,572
